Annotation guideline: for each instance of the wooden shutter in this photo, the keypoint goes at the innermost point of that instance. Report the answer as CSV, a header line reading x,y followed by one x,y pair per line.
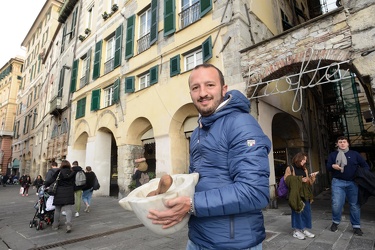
x,y
206,6
116,91
98,55
174,66
73,80
87,78
207,49
74,22
129,38
129,84
154,22
81,108
61,82
95,100
118,43
154,73
169,17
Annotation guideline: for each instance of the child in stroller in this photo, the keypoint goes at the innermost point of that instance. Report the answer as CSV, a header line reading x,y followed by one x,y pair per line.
x,y
44,210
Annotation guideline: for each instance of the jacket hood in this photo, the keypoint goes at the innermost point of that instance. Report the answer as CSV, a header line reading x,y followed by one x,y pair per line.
x,y
234,101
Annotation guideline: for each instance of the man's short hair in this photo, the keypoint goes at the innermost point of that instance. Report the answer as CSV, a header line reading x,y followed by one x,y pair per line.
x,y
340,138
208,65
75,163
54,164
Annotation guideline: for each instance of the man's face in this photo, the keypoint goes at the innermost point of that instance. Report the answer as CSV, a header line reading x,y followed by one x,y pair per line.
x,y
205,90
343,144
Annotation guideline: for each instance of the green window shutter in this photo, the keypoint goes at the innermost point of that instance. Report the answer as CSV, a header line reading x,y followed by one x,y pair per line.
x,y
116,91
174,66
154,22
118,42
129,84
207,49
129,37
95,100
73,80
169,17
154,73
63,40
206,6
87,78
97,57
81,108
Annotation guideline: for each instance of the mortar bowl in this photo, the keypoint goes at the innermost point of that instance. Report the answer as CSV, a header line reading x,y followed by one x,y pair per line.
x,y
136,201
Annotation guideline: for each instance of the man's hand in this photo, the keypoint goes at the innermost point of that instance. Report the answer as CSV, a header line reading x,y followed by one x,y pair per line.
x,y
336,166
178,209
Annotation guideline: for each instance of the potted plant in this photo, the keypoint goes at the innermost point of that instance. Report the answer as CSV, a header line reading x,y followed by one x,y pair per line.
x,y
114,7
105,15
81,38
87,31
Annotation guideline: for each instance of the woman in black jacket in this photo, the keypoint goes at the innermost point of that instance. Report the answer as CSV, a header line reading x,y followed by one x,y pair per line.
x,y
88,189
64,197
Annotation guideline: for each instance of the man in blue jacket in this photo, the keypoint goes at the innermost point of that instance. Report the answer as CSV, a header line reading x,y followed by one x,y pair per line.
x,y
230,152
343,164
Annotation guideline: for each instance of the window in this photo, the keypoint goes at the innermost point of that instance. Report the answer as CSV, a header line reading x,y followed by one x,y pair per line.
x,y
108,98
190,12
285,21
86,60
34,118
110,53
81,108
193,59
89,17
55,131
64,126
61,83
73,26
144,31
144,81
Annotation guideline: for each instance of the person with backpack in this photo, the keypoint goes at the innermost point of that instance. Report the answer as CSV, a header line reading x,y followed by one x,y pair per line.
x,y
299,183
79,184
140,175
88,189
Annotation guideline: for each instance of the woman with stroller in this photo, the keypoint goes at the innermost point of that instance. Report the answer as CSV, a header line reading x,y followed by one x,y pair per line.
x,y
64,197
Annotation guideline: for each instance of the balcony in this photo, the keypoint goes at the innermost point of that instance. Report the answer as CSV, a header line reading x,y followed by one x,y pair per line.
x,y
109,65
189,15
144,43
55,106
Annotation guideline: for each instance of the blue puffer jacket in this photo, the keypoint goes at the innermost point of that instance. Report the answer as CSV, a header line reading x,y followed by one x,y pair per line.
x,y
230,153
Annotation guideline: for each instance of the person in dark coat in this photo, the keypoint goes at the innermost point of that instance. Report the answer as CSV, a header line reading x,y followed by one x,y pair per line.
x,y
88,189
64,197
38,182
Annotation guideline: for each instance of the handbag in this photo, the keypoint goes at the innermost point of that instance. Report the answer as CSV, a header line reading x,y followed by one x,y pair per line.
x,y
53,187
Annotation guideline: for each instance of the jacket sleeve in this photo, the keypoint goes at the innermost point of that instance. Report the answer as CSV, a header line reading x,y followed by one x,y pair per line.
x,y
331,160
248,168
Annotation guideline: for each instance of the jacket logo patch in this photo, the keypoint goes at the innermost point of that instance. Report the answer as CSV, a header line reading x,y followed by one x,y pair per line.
x,y
250,143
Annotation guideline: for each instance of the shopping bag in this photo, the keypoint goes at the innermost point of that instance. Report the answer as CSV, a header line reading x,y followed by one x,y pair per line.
x,y
21,190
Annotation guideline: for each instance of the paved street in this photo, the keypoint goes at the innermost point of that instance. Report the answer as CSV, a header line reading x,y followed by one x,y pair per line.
x,y
108,226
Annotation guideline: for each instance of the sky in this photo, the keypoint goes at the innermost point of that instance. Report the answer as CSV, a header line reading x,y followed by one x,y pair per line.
x,y
14,27
15,22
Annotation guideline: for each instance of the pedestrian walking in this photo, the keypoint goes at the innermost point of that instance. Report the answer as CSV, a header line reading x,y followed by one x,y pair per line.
x,y
343,165
78,188
64,197
89,188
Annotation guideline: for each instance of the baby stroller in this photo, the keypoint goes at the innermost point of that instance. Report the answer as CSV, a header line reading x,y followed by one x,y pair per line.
x,y
44,210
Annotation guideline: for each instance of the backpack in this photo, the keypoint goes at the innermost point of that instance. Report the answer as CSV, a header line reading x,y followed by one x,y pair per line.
x,y
282,189
144,178
80,179
96,185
